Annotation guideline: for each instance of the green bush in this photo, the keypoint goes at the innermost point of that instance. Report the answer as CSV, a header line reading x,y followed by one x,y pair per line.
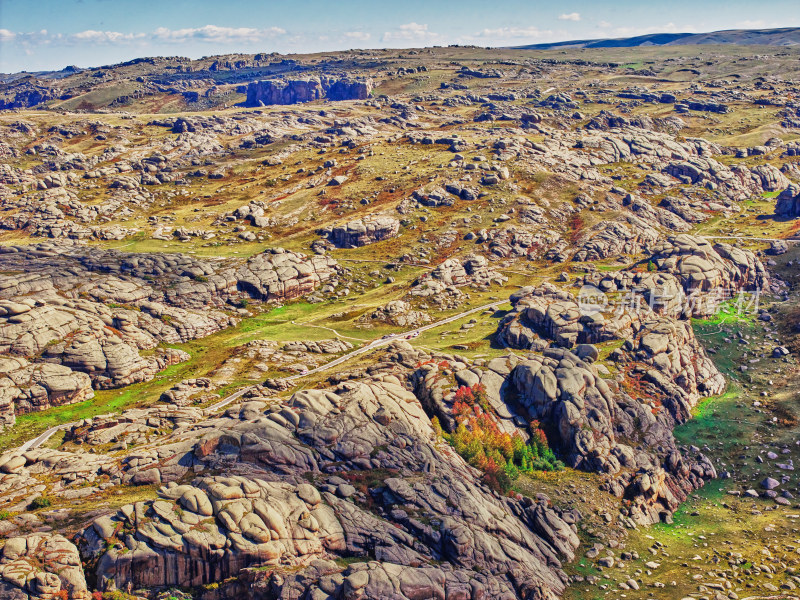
x,y
40,502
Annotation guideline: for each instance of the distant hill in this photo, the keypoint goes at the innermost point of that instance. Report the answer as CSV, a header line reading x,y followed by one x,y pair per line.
x,y
65,72
788,36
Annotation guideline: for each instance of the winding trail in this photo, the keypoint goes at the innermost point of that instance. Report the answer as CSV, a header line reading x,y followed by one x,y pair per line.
x,y
42,438
216,407
391,338
336,333
747,237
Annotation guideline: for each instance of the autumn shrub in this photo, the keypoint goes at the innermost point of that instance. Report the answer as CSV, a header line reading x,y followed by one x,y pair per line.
x,y
576,226
473,395
499,455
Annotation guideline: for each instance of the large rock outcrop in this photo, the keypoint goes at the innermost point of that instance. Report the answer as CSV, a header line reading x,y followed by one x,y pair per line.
x,y
92,338
268,92
361,232
398,313
703,267
631,235
545,314
663,373
26,387
264,93
471,270
370,468
211,529
737,183
41,567
788,202
176,280
588,419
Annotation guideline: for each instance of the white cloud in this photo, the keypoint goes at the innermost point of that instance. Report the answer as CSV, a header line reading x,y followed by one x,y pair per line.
x,y
206,34
361,36
603,24
513,32
573,16
216,34
104,37
32,38
410,32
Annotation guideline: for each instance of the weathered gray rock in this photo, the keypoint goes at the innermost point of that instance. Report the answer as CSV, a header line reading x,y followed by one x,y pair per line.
x,y
788,202
333,346
666,373
87,314
267,92
40,566
227,524
189,390
253,523
26,387
399,313
737,183
702,267
472,270
364,231
609,238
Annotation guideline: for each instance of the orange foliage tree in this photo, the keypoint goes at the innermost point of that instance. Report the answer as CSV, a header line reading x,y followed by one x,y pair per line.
x,y
500,455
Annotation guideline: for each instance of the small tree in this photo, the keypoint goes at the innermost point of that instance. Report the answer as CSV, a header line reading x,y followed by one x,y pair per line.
x,y
481,396
437,427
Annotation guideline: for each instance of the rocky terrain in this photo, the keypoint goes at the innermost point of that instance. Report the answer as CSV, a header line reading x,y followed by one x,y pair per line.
x,y
453,323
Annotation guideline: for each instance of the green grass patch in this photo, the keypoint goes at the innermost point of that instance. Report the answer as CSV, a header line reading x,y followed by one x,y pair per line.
x,y
736,310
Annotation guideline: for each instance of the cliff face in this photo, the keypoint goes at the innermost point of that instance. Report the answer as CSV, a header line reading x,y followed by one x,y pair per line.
x,y
346,89
267,92
260,93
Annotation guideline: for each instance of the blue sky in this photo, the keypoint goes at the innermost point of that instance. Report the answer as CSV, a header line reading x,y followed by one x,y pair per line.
x,y
51,34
